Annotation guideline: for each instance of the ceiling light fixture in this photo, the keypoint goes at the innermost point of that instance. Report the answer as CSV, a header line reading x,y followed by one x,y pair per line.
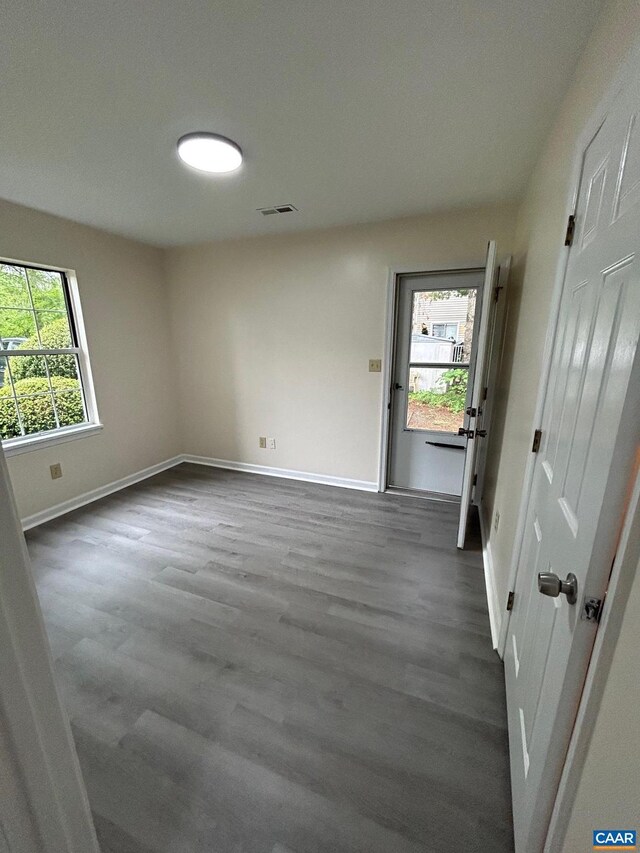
x,y
209,152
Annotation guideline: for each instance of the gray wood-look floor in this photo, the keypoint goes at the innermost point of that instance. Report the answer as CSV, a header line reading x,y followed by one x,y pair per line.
x,y
255,665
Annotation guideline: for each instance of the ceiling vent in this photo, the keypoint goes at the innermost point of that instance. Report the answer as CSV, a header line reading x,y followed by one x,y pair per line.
x,y
279,208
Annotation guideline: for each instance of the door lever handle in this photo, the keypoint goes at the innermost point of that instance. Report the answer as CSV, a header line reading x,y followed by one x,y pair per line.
x,y
550,584
398,387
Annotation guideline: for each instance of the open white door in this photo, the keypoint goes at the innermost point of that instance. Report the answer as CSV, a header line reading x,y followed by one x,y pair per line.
x,y
497,326
586,461
476,394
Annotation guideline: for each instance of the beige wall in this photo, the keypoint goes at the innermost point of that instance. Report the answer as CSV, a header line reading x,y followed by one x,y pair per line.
x,y
125,310
538,246
274,335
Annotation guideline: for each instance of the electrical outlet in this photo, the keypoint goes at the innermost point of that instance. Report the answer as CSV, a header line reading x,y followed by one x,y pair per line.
x,y
271,443
262,442
375,365
496,521
56,471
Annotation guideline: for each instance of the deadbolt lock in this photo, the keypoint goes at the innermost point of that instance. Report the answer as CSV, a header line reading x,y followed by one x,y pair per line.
x,y
591,609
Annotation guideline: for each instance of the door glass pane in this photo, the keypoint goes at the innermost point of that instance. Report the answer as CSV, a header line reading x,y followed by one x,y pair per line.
x,y
436,398
442,325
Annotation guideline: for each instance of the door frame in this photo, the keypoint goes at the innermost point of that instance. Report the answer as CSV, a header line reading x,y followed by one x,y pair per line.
x,y
391,328
628,552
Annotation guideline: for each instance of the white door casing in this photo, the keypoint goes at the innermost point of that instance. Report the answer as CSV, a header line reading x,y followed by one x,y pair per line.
x,y
475,397
583,470
43,804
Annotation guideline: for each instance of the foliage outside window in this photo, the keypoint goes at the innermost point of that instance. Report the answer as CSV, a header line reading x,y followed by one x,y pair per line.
x,y
40,380
439,362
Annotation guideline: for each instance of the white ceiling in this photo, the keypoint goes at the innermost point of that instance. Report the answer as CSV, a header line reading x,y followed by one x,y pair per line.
x,y
353,110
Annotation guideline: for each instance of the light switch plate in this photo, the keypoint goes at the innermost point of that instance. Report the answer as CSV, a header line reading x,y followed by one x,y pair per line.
x,y
262,442
56,471
375,365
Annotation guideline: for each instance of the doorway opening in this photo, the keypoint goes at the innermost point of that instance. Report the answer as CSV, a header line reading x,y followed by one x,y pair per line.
x,y
434,358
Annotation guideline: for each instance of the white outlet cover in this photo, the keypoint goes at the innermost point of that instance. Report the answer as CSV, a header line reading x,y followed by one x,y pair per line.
x,y
271,442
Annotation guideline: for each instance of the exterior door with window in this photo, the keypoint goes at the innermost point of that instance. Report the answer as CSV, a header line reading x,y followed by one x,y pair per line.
x,y
587,459
433,368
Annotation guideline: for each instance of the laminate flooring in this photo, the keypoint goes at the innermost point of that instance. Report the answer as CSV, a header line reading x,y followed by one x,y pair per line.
x,y
258,665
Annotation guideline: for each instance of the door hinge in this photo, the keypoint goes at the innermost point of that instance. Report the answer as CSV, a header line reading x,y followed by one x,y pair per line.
x,y
485,391
471,411
475,480
510,598
537,438
496,292
571,227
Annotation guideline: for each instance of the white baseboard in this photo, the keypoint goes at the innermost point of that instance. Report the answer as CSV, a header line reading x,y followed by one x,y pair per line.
x,y
108,489
96,494
286,473
495,612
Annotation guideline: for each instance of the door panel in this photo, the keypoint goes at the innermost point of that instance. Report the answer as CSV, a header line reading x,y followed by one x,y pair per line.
x,y
590,433
488,290
497,328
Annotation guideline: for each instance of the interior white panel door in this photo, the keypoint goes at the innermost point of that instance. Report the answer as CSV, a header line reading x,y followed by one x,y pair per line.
x,y
582,471
476,394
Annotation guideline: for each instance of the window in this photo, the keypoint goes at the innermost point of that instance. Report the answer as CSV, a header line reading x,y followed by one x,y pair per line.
x,y
445,330
439,363
45,384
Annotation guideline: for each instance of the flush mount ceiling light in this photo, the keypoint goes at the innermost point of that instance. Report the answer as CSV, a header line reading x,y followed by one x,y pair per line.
x,y
209,152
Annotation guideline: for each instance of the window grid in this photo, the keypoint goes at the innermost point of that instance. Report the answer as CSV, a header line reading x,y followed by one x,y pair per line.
x,y
54,396
46,364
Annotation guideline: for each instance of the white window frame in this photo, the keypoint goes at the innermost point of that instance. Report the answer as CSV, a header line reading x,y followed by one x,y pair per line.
x,y
445,323
92,426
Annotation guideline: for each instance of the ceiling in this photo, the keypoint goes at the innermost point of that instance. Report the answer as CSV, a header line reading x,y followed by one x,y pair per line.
x,y
352,110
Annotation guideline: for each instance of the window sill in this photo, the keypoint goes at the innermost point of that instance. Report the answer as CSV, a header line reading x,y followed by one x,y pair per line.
x,y
15,446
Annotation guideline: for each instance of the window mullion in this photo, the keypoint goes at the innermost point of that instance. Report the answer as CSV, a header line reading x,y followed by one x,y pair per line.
x,y
15,398
33,307
53,399
22,352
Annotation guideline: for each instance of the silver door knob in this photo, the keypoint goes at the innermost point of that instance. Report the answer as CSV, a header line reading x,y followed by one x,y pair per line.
x,y
550,584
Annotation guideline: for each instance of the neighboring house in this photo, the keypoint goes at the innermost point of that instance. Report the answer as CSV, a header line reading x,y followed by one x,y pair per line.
x,y
441,318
